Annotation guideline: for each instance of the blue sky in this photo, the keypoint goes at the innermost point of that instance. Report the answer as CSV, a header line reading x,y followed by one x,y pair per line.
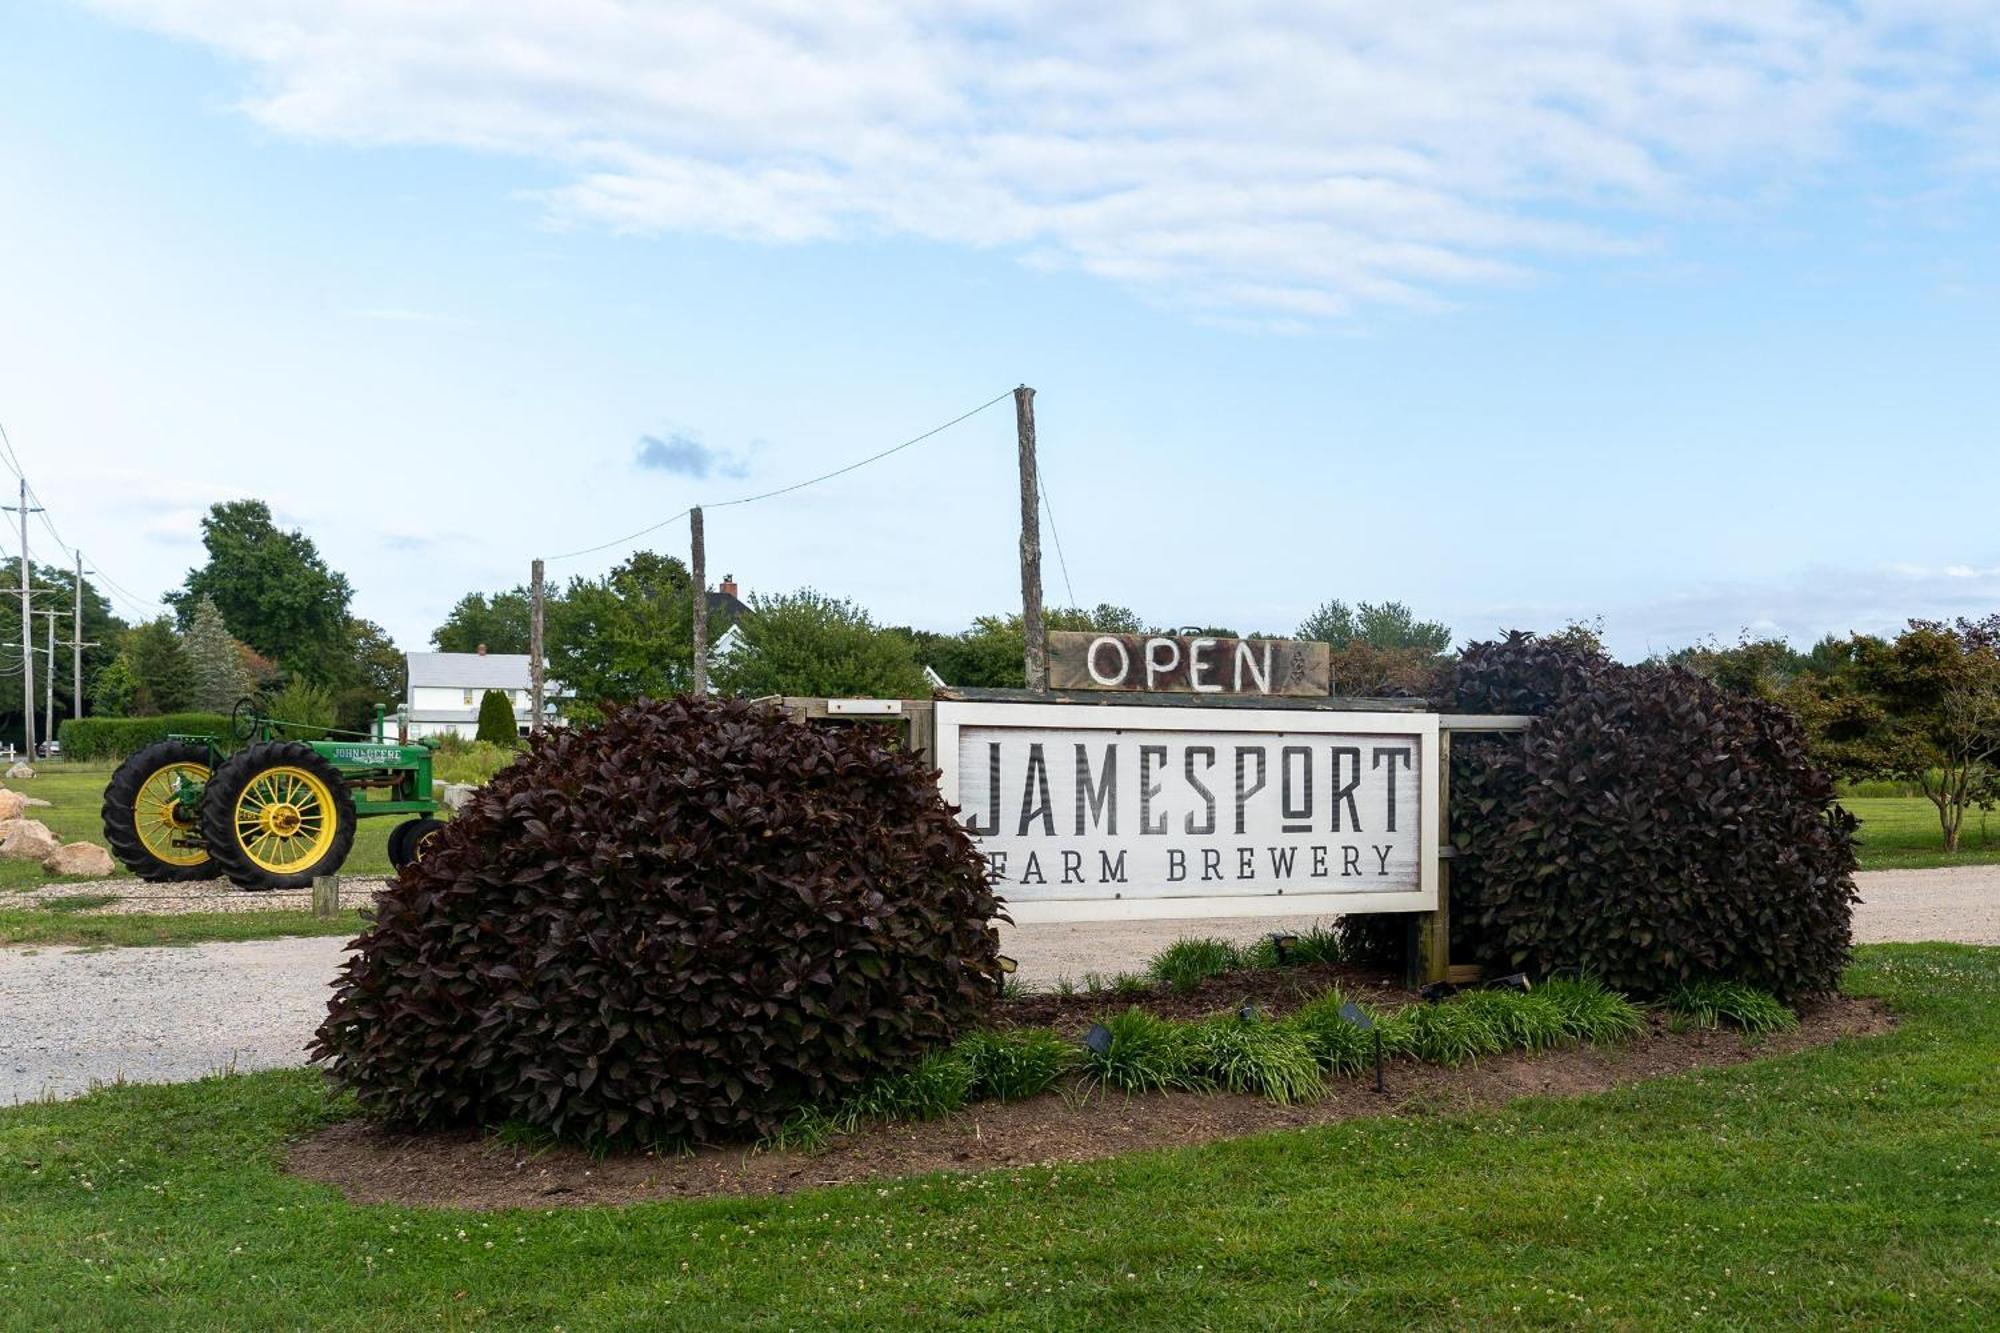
x,y
1524,312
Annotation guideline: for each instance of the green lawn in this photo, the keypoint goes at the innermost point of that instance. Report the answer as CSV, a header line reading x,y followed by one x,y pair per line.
x,y
1901,833
1854,1184
58,923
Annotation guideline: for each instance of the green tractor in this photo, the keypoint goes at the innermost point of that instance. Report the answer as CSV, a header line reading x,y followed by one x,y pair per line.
x,y
272,815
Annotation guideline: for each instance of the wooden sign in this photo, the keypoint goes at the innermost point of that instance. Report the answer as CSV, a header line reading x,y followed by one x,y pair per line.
x,y
1189,664
1110,812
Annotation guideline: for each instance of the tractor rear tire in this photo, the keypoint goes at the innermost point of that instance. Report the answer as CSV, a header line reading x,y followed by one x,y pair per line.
x,y
276,815
407,839
142,819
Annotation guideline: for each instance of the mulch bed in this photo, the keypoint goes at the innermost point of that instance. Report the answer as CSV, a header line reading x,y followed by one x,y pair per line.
x,y
473,1169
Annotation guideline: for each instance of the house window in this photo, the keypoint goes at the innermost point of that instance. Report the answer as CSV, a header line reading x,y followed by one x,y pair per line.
x,y
468,697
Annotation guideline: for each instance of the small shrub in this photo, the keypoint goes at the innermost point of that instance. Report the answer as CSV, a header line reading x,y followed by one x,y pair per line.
x,y
1334,1042
1316,944
1708,1002
937,1085
1527,1022
1146,1054
1376,939
1271,1060
1011,1064
1189,961
471,762
1123,985
1440,1034
1591,1013
680,924
303,711
496,720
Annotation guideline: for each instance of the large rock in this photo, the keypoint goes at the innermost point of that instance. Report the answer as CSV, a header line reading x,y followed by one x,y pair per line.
x,y
12,803
81,858
19,771
456,795
27,840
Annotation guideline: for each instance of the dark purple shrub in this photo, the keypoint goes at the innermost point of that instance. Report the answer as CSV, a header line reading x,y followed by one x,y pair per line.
x,y
676,925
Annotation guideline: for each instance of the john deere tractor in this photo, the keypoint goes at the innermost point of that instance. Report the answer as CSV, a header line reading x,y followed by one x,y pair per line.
x,y
271,815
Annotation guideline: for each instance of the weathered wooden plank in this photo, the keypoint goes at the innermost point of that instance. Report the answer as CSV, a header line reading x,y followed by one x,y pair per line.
x,y
1485,721
1187,663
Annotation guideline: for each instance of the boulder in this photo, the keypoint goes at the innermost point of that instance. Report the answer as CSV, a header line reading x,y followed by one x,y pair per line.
x,y
456,795
12,803
81,858
27,840
34,802
19,771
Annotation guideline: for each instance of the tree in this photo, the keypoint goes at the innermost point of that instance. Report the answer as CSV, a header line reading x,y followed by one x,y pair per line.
x,y
500,622
163,679
993,651
625,636
1379,648
274,591
1923,709
496,719
55,591
1755,668
379,665
113,690
213,659
807,643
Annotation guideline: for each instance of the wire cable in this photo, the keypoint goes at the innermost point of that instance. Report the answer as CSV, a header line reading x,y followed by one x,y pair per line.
x,y
1061,562
795,486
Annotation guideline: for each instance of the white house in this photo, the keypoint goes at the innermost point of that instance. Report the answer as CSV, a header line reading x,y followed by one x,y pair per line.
x,y
446,690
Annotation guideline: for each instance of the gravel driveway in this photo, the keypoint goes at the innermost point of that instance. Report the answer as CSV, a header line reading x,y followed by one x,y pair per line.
x,y
70,1018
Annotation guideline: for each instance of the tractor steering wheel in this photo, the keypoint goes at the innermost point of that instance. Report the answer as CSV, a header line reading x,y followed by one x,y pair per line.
x,y
243,719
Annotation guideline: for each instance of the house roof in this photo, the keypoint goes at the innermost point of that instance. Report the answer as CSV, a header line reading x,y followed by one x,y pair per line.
x,y
470,671
726,606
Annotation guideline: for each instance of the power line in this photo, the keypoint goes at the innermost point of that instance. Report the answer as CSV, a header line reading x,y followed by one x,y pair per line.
x,y
795,486
1061,562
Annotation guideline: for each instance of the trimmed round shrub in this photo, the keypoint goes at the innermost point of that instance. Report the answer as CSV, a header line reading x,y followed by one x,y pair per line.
x,y
496,719
677,925
1648,829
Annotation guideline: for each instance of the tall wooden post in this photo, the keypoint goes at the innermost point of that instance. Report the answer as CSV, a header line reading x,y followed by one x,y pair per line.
x,y
77,645
700,572
1430,943
1036,659
535,671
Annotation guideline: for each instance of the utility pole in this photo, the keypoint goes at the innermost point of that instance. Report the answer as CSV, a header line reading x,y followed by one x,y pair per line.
x,y
1037,653
77,645
535,682
27,632
49,686
700,553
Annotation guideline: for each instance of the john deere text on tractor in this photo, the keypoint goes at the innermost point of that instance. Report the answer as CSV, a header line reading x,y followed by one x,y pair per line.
x,y
273,814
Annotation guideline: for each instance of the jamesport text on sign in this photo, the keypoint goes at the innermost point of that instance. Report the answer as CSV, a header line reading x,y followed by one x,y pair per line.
x,y
1187,663
1096,813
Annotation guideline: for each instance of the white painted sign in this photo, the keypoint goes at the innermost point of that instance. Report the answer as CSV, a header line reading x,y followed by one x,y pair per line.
x,y
1089,813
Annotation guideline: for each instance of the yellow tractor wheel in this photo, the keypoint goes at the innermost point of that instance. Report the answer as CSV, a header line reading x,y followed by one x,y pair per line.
x,y
149,823
276,815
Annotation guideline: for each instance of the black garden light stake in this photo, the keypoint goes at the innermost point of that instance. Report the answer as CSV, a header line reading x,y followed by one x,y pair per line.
x,y
1354,1014
1514,981
1098,1039
1281,944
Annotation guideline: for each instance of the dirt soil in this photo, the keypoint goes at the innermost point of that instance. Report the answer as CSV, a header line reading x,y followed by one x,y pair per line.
x,y
469,1169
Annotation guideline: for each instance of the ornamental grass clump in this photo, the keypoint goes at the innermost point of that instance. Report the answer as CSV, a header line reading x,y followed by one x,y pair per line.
x,y
1591,1013
1144,1053
1338,1045
677,925
1525,1021
1010,1064
1189,961
1441,1034
1708,1003
1252,1055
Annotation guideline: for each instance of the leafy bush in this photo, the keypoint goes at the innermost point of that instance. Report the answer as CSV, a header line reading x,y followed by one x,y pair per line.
x,y
1009,1065
1251,1055
1145,1054
471,762
304,711
1707,1002
1649,828
496,720
1336,1043
677,925
1440,1034
1525,1022
1190,960
1591,1013
117,737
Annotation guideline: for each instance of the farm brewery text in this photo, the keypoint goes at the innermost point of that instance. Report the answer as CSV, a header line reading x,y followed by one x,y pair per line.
x,y
1089,813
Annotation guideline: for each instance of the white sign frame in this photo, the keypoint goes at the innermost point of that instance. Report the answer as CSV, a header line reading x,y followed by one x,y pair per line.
x,y
952,715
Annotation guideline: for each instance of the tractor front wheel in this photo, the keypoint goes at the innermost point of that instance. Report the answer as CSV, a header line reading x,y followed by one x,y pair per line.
x,y
275,815
408,839
147,823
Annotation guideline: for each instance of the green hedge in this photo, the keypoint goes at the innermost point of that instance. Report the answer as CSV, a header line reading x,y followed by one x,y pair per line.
x,y
116,737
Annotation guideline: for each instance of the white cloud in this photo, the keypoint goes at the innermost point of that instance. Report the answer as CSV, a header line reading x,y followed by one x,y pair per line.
x,y
1286,158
